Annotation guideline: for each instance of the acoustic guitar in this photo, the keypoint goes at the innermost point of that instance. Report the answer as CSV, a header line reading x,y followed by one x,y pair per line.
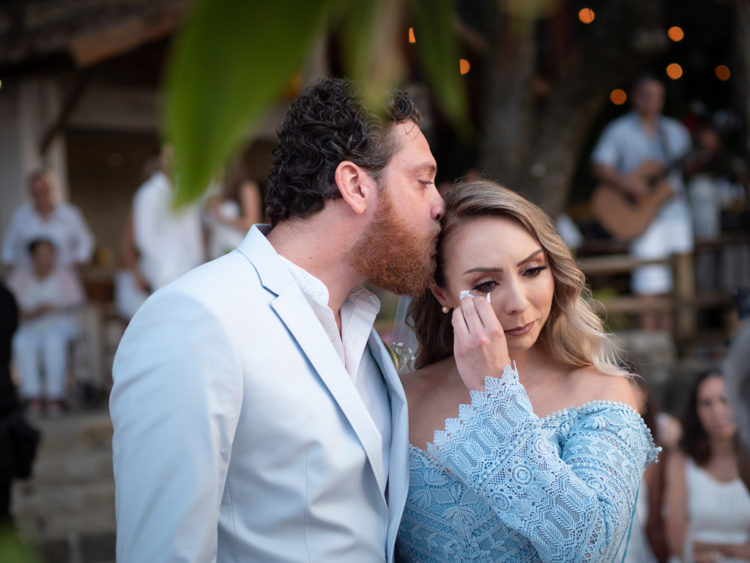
x,y
624,217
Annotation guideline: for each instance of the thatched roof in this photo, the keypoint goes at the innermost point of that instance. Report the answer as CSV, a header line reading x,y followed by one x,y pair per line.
x,y
87,31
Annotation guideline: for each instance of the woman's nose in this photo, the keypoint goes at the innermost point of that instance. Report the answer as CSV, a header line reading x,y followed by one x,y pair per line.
x,y
515,299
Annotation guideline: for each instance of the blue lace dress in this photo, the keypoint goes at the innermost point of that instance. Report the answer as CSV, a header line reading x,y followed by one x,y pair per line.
x,y
501,485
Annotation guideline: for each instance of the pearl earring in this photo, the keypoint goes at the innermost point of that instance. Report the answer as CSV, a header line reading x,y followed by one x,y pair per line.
x,y
446,309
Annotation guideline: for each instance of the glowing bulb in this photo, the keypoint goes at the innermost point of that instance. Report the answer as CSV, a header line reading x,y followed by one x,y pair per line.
x,y
676,34
412,39
618,97
674,71
722,73
586,15
464,66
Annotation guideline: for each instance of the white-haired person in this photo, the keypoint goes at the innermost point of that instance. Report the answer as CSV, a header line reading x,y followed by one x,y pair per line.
x,y
47,216
526,444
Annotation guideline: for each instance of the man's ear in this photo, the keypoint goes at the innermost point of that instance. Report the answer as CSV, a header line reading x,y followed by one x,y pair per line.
x,y
441,295
357,186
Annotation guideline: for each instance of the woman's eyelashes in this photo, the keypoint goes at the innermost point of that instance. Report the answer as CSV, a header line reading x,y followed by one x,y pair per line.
x,y
485,286
534,271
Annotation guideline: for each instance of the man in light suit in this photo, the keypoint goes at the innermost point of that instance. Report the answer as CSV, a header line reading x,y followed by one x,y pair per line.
x,y
258,417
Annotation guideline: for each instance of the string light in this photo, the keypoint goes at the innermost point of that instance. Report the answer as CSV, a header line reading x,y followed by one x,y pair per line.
x,y
464,66
674,71
586,15
618,97
412,39
676,34
722,73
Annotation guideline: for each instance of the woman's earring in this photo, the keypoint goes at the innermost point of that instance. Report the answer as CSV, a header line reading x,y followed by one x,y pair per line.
x,y
446,309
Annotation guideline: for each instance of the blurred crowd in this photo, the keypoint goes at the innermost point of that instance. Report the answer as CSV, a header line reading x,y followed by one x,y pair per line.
x,y
48,246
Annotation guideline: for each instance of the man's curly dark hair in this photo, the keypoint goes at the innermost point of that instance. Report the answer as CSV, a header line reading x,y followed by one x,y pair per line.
x,y
325,126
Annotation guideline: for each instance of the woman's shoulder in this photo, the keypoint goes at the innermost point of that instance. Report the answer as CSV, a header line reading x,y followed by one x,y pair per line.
x,y
423,381
589,385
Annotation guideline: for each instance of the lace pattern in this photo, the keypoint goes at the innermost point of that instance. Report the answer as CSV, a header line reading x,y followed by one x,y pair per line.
x,y
501,485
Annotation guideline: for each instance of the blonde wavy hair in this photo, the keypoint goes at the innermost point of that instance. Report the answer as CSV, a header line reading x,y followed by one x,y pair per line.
x,y
573,334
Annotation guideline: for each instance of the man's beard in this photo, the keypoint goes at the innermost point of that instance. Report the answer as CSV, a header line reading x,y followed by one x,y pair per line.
x,y
392,256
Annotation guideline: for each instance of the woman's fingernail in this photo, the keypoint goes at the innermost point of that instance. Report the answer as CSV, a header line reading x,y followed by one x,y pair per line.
x,y
465,293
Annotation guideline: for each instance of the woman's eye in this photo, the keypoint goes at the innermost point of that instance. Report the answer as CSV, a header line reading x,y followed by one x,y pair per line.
x,y
485,287
534,272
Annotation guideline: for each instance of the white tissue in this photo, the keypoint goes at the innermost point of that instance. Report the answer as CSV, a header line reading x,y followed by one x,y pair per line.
x,y
465,293
488,298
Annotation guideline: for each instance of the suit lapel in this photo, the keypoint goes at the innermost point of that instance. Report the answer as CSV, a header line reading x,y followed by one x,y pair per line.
x,y
299,318
398,480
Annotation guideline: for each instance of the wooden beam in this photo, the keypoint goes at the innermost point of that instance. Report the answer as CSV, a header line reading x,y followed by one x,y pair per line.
x,y
95,46
619,264
71,100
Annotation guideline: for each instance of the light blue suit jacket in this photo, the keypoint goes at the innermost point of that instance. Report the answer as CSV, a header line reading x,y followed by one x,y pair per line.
x,y
239,435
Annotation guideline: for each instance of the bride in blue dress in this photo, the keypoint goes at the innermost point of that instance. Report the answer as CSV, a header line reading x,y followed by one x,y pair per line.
x,y
526,445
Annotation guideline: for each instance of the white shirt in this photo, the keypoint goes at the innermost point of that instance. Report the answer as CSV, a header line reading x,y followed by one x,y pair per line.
x,y
65,227
169,241
357,317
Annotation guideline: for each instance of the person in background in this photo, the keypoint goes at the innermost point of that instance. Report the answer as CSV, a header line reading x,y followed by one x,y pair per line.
x,y
46,216
626,144
169,241
8,396
231,213
708,506
46,296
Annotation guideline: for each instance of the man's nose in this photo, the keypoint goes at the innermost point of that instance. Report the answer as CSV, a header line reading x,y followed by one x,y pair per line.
x,y
437,209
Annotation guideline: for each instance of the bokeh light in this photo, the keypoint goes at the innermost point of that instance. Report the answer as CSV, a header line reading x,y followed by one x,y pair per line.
x,y
586,15
618,97
676,34
464,66
722,73
674,71
412,39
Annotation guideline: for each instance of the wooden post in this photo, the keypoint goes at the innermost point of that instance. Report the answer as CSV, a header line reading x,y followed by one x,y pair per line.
x,y
684,301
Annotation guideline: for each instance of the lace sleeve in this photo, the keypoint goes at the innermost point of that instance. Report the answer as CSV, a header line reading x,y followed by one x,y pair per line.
x,y
574,503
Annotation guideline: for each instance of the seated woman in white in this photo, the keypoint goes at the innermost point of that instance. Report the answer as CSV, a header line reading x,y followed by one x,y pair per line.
x,y
708,518
45,298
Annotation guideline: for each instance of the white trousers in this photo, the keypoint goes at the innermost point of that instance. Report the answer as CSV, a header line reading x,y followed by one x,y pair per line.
x,y
48,340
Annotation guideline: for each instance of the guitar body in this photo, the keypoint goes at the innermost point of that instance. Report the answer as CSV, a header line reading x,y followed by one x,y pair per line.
x,y
623,217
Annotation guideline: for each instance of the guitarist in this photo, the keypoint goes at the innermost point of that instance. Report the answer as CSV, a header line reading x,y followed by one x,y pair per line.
x,y
627,143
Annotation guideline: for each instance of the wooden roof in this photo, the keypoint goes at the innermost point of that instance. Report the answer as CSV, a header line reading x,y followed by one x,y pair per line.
x,y
86,31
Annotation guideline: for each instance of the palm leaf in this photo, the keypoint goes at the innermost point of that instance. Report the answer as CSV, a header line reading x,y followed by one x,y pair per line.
x,y
230,62
439,54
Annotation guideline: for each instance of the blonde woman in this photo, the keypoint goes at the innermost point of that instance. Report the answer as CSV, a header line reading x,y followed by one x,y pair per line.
x,y
545,463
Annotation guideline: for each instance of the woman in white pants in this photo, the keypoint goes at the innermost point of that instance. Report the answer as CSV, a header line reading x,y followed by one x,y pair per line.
x,y
46,297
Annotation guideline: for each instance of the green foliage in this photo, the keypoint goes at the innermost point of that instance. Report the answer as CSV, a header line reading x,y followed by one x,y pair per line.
x,y
234,57
230,62
439,53
12,550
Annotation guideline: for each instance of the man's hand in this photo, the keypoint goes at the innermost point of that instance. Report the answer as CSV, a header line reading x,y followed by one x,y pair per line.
x,y
479,347
636,187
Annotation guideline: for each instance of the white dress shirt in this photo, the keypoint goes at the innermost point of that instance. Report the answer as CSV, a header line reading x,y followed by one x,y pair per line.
x,y
357,317
65,227
169,241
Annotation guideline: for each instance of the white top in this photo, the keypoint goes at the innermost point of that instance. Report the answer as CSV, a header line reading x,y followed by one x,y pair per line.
x,y
170,242
357,317
718,512
224,238
65,227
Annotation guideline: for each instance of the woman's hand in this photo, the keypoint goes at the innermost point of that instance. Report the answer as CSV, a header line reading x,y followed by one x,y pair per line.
x,y
479,344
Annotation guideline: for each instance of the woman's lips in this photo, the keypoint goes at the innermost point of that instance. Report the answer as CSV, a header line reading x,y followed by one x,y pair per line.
x,y
520,330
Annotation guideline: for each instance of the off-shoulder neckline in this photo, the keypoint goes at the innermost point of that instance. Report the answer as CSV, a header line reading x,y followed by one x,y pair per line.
x,y
569,412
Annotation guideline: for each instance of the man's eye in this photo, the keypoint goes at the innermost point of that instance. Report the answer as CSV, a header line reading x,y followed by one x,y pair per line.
x,y
427,183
